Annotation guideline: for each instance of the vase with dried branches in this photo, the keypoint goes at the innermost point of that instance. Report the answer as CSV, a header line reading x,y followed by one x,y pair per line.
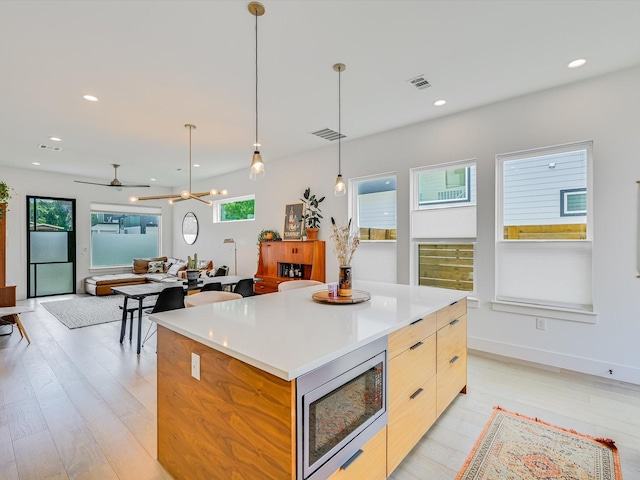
x,y
345,243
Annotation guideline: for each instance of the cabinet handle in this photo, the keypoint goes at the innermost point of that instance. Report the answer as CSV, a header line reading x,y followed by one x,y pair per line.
x,y
418,320
452,304
416,346
454,359
346,464
454,322
416,393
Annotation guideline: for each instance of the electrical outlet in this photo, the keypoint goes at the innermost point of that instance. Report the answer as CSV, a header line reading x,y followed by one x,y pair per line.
x,y
195,366
541,323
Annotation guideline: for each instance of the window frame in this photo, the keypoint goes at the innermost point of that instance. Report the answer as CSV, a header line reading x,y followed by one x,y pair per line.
x,y
460,211
97,208
217,206
564,196
353,210
539,152
573,256
454,203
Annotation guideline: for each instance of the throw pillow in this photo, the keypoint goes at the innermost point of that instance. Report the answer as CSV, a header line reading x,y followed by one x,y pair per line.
x,y
156,267
176,267
140,265
205,265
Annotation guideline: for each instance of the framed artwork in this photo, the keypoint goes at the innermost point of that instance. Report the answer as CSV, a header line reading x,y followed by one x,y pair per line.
x,y
293,222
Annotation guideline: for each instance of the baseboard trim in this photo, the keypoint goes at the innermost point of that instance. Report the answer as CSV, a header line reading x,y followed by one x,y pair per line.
x,y
545,359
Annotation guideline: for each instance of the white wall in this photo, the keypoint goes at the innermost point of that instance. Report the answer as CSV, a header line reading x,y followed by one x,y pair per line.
x,y
32,182
603,109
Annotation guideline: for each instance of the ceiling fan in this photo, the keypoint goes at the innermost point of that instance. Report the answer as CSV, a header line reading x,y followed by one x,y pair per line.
x,y
115,182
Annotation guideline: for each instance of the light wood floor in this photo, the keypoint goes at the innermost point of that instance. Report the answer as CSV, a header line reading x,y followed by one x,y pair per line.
x,y
77,404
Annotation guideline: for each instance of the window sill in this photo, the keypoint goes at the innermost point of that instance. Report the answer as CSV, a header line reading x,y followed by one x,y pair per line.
x,y
472,302
572,315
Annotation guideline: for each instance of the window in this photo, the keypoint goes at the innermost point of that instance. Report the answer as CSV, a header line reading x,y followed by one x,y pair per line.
x,y
121,233
236,209
373,206
443,225
442,186
573,202
446,265
543,251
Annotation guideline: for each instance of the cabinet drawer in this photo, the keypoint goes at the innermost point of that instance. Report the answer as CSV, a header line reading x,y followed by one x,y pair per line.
x,y
411,369
267,285
409,421
452,361
370,464
404,338
452,378
453,311
451,341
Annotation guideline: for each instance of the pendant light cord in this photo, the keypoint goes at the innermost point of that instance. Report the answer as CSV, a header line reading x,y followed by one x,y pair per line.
x,y
190,128
256,15
339,123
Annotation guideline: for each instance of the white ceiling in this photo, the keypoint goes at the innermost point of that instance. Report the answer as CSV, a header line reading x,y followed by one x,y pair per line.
x,y
156,65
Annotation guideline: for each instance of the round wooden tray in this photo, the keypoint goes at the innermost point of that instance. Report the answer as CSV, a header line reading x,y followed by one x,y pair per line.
x,y
357,296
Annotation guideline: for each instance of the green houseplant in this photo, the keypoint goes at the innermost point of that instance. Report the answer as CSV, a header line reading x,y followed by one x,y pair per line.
x,y
312,213
268,235
5,196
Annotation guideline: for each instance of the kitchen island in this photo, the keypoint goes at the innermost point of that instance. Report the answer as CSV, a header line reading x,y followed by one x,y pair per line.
x,y
239,419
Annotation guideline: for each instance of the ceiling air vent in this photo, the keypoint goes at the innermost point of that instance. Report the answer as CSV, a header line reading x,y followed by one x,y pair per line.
x,y
328,134
48,147
419,82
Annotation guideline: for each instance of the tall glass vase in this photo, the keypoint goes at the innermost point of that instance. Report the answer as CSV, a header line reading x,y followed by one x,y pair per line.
x,y
344,281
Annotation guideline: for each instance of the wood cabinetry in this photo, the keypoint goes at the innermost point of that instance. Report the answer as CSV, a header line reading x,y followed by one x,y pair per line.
x,y
427,369
305,259
7,292
370,464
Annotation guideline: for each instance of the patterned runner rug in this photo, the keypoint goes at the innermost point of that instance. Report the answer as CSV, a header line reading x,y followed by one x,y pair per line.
x,y
516,447
86,311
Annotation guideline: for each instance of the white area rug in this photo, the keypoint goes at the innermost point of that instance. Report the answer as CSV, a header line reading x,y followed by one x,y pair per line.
x,y
86,311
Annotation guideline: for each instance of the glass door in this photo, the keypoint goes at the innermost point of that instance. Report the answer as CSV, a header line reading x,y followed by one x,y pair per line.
x,y
51,246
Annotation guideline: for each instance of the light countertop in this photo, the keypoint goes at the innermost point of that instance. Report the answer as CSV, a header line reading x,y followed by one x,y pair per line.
x,y
288,334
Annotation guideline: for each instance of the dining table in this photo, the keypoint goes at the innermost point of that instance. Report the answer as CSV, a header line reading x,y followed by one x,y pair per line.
x,y
144,290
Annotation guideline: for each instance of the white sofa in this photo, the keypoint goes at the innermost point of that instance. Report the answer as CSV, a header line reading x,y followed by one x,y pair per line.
x,y
144,270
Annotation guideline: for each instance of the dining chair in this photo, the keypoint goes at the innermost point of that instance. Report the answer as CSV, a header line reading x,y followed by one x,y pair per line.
x,y
244,287
212,287
171,298
290,285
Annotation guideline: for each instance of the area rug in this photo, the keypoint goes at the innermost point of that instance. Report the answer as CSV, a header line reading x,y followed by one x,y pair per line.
x,y
86,311
516,447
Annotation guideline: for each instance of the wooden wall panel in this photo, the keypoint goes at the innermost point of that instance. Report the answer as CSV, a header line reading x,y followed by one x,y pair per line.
x,y
237,422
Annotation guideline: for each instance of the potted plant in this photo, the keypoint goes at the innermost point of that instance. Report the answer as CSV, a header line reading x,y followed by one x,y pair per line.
x,y
5,196
192,272
269,235
312,214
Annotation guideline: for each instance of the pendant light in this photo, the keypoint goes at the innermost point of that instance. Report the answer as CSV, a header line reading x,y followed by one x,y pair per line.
x,y
184,194
340,188
257,165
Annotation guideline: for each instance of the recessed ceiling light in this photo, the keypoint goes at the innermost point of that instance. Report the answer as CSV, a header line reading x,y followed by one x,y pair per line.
x,y
35,163
152,179
91,98
577,63
196,165
439,103
55,139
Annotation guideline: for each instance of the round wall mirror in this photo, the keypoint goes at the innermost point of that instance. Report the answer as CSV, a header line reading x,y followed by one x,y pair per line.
x,y
190,228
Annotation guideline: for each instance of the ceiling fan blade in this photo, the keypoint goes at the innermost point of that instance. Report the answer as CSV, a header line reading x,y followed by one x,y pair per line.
x,y
93,183
110,185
